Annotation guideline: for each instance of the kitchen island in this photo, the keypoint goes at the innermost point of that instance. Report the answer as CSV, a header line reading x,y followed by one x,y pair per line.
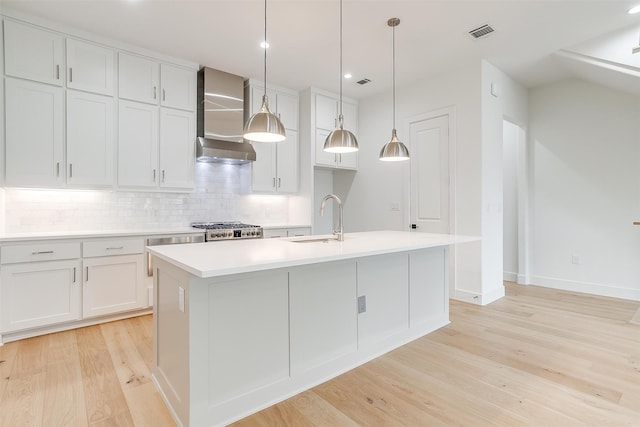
x,y
241,325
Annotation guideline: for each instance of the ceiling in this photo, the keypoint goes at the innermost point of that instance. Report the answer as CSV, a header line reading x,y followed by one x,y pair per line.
x,y
431,39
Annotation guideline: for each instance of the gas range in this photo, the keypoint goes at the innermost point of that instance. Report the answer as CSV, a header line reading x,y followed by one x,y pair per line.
x,y
228,230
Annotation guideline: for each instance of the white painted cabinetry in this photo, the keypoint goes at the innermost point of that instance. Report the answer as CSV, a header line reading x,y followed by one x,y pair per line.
x,y
113,279
90,139
156,145
325,120
272,233
33,53
90,67
40,285
276,168
34,141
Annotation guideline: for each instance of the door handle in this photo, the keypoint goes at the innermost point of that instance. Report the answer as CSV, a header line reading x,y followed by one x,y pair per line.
x,y
163,95
58,72
162,175
154,92
74,275
87,275
279,182
154,175
57,169
70,170
70,74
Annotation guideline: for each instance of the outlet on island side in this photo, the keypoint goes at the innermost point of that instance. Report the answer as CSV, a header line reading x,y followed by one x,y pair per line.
x,y
575,259
362,304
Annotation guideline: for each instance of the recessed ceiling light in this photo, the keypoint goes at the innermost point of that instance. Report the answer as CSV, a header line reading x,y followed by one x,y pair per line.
x,y
264,45
347,76
634,9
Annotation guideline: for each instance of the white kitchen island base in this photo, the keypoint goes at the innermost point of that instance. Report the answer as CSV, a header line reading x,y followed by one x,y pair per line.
x,y
229,345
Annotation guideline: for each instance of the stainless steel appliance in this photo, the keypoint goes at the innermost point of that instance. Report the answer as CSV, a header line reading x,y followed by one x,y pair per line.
x,y
221,119
229,230
170,240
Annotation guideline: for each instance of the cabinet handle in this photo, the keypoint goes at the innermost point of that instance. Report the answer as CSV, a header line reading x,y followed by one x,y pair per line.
x,y
70,170
154,92
41,252
70,74
87,270
57,169
163,94
115,248
154,175
162,175
274,182
279,182
74,275
58,72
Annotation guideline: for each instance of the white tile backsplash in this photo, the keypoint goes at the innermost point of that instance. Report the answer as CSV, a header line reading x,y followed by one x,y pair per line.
x,y
223,193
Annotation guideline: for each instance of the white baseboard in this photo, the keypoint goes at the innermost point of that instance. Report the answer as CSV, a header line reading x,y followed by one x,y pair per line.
x,y
477,298
587,288
509,276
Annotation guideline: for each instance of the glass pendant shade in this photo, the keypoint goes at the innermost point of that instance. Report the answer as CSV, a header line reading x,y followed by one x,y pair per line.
x,y
394,150
341,141
264,126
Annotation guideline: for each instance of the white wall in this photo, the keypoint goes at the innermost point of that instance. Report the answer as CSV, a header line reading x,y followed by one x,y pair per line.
x,y
222,193
586,184
510,158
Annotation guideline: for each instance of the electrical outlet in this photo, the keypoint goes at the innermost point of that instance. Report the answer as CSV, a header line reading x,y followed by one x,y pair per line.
x,y
181,298
395,206
575,259
362,304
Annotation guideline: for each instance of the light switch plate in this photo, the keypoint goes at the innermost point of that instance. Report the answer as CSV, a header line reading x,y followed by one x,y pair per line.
x,y
181,298
362,304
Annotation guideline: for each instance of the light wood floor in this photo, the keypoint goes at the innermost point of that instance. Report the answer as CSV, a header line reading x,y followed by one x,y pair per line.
x,y
536,357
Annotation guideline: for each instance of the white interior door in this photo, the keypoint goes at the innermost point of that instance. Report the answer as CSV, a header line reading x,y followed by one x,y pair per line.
x,y
430,182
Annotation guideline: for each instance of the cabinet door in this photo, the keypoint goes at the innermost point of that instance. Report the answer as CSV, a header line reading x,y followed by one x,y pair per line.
x,y
138,144
34,54
177,149
326,112
263,170
90,139
138,78
178,87
350,116
40,294
322,157
113,284
89,67
34,134
287,163
287,108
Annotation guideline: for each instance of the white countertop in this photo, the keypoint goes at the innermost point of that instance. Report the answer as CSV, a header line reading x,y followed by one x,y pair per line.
x,y
88,234
243,256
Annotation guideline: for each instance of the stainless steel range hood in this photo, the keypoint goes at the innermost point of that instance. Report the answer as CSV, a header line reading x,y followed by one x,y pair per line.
x,y
221,118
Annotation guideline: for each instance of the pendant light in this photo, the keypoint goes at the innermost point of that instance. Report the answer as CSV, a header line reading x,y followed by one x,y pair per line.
x,y
264,126
341,140
394,150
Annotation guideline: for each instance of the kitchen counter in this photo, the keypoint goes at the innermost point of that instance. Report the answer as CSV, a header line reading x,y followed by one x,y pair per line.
x,y
243,256
58,235
241,325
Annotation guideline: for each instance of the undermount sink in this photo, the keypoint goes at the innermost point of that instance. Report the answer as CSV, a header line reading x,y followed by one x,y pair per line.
x,y
315,240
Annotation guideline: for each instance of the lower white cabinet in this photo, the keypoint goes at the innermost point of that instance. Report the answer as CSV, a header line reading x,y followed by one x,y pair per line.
x,y
40,293
113,284
273,233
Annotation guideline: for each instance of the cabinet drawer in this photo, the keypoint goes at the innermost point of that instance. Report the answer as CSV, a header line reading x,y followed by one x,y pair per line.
x,y
106,247
274,233
43,251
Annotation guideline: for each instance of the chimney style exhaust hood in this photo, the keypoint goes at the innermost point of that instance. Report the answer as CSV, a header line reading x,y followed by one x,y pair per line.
x,y
221,118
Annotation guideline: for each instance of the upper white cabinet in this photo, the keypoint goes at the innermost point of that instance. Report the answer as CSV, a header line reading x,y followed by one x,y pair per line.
x,y
325,120
34,126
138,78
178,87
276,168
90,139
145,80
90,67
138,144
177,149
33,53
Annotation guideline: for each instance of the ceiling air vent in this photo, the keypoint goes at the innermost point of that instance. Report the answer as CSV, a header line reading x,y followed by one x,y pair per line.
x,y
483,31
363,81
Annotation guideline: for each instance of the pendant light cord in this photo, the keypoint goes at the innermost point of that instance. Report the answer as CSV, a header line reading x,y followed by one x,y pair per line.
x,y
340,116
265,48
393,72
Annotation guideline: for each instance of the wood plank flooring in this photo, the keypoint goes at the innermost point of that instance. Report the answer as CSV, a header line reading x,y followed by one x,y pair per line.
x,y
538,357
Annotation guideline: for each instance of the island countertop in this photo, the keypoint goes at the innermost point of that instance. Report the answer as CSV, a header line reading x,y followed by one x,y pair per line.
x,y
214,259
